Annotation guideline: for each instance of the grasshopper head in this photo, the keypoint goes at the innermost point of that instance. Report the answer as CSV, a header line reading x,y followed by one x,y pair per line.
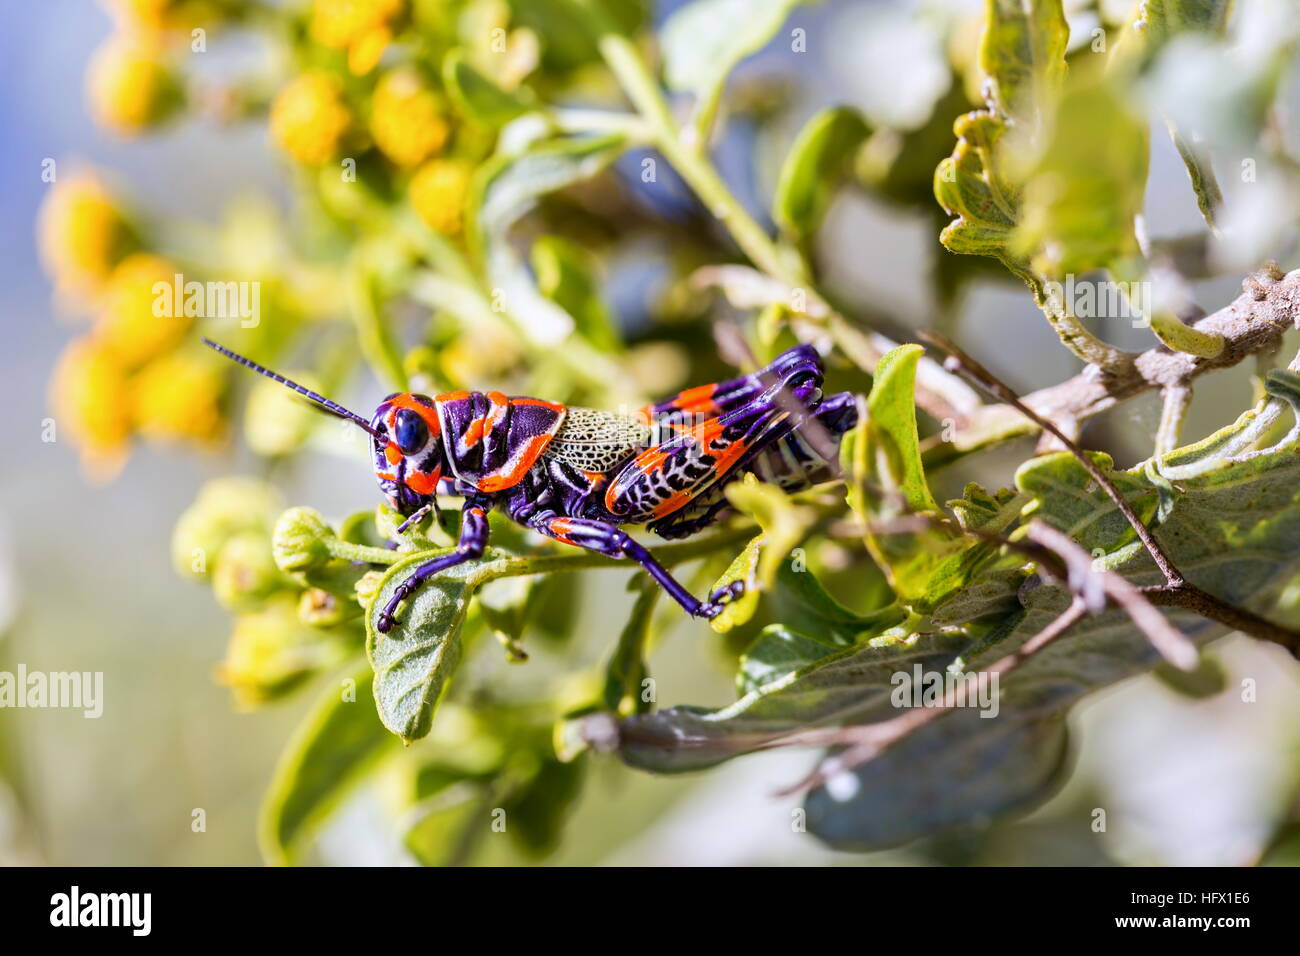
x,y
408,451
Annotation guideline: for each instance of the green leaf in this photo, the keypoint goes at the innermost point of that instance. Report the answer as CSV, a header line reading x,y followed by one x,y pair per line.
x,y
536,811
1084,193
566,276
414,660
1155,23
886,481
821,156
972,185
504,190
1022,56
1066,496
703,41
449,828
801,601
784,526
1022,52
968,779
627,669
892,436
849,686
965,768
333,749
743,568
778,652
479,97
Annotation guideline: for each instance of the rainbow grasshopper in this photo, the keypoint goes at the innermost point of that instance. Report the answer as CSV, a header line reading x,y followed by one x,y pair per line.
x,y
578,474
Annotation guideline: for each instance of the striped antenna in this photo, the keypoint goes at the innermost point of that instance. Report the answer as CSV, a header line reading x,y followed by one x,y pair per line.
x,y
321,402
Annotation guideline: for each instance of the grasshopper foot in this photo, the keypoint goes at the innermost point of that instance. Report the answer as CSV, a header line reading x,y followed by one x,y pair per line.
x,y
719,599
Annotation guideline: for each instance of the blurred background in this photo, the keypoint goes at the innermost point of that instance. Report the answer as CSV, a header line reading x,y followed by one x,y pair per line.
x,y
87,583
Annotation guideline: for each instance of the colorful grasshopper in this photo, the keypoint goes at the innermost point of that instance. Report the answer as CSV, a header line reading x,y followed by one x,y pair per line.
x,y
577,474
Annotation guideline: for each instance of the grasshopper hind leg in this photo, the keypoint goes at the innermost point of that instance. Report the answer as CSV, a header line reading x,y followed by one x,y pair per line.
x,y
610,540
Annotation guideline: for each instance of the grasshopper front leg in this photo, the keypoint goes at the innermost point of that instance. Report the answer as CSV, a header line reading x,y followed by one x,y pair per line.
x,y
473,539
614,542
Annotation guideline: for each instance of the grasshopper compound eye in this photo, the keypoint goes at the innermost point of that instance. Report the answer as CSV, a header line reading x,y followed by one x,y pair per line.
x,y
410,432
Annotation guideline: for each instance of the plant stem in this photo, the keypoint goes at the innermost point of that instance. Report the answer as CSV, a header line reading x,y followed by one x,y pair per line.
x,y
692,162
1072,333
378,344
363,553
1176,399
1184,338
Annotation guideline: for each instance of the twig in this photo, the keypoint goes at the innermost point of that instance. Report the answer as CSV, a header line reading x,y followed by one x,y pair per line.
x,y
1239,619
1254,322
961,363
1085,580
1062,559
1177,588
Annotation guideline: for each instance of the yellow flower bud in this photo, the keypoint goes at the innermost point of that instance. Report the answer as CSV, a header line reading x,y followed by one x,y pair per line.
x,y
91,399
246,574
271,651
82,233
309,118
178,397
319,608
437,193
129,325
406,118
301,541
225,507
130,87
367,586
362,27
367,50
151,17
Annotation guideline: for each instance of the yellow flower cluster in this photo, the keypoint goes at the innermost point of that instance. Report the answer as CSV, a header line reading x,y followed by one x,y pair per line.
x,y
438,190
128,374
309,118
407,120
363,28
82,233
285,630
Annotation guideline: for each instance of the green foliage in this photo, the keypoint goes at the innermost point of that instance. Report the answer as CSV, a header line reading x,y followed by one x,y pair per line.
x,y
1232,529
501,257
1022,56
479,97
414,661
704,40
821,156
332,751
1087,186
